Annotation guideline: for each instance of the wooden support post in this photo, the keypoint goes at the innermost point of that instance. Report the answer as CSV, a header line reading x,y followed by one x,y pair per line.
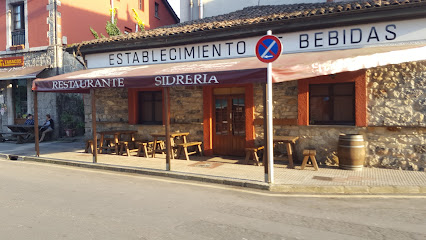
x,y
36,130
168,143
95,137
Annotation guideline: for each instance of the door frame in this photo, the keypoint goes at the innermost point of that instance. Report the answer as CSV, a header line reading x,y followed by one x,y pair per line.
x,y
208,106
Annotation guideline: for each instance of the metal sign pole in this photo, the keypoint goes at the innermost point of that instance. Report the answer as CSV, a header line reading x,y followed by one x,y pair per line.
x,y
268,49
269,121
269,125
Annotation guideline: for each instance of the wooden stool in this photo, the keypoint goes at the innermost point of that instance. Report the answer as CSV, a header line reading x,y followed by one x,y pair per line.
x,y
309,154
252,152
125,148
89,146
184,147
143,148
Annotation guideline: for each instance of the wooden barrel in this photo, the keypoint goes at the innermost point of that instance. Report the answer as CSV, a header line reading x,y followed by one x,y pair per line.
x,y
351,152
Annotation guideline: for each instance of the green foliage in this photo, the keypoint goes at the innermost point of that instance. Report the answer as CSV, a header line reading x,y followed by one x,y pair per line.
x,y
112,29
94,33
141,24
68,121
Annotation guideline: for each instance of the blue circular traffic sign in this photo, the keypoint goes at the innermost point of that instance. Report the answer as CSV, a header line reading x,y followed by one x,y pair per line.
x,y
268,48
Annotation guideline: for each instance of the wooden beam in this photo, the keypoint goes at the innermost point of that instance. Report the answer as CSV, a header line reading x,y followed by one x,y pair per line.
x,y
167,125
36,130
277,121
95,136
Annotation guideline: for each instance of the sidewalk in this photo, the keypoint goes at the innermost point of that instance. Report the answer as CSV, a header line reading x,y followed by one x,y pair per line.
x,y
227,171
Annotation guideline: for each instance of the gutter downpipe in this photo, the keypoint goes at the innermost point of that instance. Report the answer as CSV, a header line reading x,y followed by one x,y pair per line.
x,y
112,11
56,50
200,9
191,6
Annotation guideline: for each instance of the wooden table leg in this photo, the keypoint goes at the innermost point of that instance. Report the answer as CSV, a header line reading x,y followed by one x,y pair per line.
x,y
172,144
295,156
154,148
101,143
290,155
116,144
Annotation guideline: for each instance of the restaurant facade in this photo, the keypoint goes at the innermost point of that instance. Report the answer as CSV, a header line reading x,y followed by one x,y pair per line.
x,y
353,68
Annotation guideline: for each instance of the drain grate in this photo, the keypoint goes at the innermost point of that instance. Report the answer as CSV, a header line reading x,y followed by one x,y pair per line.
x,y
206,164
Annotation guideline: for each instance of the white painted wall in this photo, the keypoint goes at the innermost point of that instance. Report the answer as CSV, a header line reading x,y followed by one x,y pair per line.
x,y
219,7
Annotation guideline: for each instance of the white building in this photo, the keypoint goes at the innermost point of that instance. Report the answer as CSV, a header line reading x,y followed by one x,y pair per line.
x,y
197,9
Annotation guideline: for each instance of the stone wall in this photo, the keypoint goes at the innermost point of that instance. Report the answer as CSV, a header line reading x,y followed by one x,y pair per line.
x,y
396,116
395,136
186,113
396,95
284,97
47,102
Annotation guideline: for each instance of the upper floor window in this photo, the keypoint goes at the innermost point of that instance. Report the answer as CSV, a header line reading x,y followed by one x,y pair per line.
x,y
18,24
157,6
18,17
141,4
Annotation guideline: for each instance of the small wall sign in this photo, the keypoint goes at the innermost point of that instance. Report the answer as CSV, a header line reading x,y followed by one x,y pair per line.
x,y
12,62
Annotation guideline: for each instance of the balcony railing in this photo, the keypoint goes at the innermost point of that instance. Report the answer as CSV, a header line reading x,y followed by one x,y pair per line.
x,y
18,37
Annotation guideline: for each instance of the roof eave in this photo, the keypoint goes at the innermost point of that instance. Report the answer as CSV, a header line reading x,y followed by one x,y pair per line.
x,y
389,13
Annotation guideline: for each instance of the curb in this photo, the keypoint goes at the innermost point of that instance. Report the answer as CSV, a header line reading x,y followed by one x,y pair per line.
x,y
276,188
153,172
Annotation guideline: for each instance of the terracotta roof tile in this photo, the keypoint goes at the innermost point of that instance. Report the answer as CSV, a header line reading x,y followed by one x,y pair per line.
x,y
253,15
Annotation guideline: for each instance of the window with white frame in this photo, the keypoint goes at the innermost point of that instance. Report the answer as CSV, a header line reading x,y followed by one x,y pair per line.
x,y
18,24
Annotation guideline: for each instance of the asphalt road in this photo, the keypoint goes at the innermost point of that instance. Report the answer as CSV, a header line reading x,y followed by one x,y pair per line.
x,y
42,201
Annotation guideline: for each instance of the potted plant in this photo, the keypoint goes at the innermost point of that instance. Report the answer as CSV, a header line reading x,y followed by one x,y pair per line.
x,y
69,124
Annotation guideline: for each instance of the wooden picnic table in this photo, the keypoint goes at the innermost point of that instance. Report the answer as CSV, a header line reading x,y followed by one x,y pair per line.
x,y
289,142
23,133
173,135
116,137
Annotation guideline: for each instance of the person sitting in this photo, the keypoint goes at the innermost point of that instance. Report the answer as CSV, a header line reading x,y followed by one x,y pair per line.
x,y
48,126
30,120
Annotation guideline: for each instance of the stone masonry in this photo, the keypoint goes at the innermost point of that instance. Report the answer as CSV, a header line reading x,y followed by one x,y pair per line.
x,y
394,137
47,102
186,113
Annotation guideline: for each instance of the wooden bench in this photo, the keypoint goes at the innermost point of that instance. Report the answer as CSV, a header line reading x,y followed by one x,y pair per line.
x,y
108,144
18,136
126,147
144,145
184,147
308,153
252,152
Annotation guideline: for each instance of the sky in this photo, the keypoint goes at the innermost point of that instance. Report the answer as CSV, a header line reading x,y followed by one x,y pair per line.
x,y
176,6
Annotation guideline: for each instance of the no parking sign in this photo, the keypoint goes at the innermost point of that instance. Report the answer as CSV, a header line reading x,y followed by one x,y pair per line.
x,y
268,48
